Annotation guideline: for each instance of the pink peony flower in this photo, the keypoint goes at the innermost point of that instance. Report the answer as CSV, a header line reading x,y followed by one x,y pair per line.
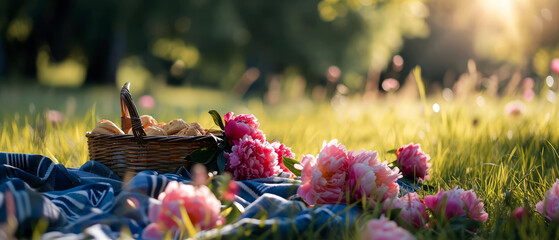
x,y
521,213
199,202
370,178
147,102
324,178
282,152
458,202
528,95
555,65
474,206
415,163
251,158
412,209
236,127
384,229
549,206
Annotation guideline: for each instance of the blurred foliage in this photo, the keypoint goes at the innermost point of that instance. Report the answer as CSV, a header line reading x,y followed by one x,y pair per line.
x,y
255,45
207,42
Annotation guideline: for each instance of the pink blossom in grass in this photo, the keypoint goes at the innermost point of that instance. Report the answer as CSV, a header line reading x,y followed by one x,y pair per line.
x,y
458,202
474,206
282,151
549,206
555,65
521,213
201,205
237,126
529,95
515,108
370,178
324,178
147,102
54,117
251,158
413,210
200,175
528,83
231,192
390,85
414,162
384,229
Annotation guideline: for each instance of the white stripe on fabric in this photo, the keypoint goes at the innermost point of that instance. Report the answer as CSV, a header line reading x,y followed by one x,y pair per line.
x,y
153,180
49,169
107,207
50,195
40,164
332,214
248,190
62,205
75,202
163,184
28,204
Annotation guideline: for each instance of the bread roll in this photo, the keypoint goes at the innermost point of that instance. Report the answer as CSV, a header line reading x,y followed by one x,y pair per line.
x,y
189,131
106,127
175,126
163,126
155,131
199,127
148,120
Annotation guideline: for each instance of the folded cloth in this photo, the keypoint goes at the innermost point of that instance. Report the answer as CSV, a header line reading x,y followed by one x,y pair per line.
x,y
40,196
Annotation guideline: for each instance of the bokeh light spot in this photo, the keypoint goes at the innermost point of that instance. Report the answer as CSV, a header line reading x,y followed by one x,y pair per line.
x,y
436,107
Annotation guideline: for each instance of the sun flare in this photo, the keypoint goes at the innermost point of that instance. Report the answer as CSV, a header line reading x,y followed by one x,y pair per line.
x,y
501,9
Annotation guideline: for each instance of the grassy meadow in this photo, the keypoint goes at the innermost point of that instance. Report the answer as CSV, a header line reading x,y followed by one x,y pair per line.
x,y
509,161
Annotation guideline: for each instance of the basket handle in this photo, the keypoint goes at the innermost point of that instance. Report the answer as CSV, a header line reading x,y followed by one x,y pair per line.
x,y
130,117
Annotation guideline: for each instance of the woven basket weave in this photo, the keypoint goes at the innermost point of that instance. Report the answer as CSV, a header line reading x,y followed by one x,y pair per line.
x,y
128,154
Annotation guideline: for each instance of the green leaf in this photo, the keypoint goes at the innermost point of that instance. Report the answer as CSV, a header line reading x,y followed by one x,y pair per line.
x,y
396,164
212,166
393,213
471,224
290,164
234,213
217,119
392,151
461,222
221,162
203,155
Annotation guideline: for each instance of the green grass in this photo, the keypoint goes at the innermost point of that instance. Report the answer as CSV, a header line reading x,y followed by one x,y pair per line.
x,y
508,161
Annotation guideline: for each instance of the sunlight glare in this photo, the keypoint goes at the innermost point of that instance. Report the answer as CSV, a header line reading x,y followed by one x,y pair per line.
x,y
502,7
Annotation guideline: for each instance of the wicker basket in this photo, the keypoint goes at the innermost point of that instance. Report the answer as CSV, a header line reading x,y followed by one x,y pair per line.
x,y
129,154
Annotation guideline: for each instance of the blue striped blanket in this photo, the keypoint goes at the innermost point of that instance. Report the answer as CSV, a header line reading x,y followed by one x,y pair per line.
x,y
38,196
